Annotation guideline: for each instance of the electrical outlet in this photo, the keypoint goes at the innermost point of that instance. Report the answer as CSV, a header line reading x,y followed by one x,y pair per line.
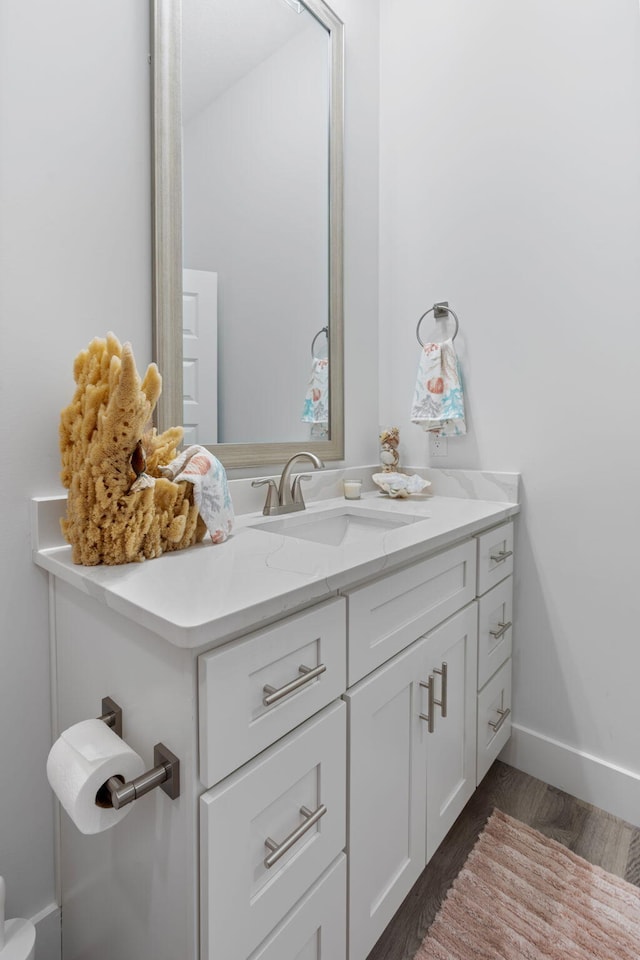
x,y
437,445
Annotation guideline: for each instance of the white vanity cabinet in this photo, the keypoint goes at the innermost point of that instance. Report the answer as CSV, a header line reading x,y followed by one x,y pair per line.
x,y
323,756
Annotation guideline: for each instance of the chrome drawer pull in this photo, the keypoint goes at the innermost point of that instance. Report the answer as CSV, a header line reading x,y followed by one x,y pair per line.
x,y
430,703
279,850
496,724
308,674
442,702
502,556
502,628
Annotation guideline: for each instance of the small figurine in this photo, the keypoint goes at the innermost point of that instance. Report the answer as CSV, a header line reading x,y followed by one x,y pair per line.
x,y
389,456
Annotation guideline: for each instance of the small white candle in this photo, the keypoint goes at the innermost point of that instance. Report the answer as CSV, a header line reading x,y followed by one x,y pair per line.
x,y
352,489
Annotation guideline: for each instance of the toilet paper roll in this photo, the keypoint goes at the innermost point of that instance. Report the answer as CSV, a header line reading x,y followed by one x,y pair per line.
x,y
81,760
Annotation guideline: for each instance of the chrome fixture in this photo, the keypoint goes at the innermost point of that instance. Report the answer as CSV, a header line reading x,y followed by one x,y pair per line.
x,y
287,496
432,703
429,717
273,695
442,702
502,714
271,503
324,330
112,715
440,311
501,556
279,849
165,773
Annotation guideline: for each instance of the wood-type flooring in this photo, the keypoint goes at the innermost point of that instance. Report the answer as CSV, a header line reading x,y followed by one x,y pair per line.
x,y
591,833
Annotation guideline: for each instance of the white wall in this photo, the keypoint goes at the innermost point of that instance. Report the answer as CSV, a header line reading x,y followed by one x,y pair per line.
x,y
510,185
75,263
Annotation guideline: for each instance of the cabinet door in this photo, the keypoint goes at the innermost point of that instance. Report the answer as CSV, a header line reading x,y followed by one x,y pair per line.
x,y
316,928
451,747
246,887
387,794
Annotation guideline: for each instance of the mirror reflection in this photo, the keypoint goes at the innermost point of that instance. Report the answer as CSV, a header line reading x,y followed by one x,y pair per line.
x,y
256,88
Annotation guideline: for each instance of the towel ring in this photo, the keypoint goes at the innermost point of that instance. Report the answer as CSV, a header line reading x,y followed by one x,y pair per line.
x,y
324,330
438,309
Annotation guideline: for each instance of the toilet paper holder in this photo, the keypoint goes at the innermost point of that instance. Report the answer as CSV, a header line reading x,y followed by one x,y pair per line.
x,y
165,773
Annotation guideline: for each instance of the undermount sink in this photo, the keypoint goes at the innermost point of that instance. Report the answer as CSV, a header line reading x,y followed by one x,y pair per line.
x,y
337,527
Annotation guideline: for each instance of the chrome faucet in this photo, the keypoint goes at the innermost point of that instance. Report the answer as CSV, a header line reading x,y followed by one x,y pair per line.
x,y
287,497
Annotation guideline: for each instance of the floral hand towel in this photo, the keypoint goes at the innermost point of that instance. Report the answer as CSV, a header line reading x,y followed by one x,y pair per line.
x,y
438,403
316,401
210,488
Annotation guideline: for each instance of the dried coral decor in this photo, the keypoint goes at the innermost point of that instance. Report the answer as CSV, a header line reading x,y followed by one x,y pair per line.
x,y
107,449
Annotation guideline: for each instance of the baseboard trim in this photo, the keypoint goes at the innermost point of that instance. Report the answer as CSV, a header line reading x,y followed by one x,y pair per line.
x,y
592,779
48,933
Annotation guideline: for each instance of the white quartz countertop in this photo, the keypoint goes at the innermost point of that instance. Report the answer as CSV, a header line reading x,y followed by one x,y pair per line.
x,y
208,593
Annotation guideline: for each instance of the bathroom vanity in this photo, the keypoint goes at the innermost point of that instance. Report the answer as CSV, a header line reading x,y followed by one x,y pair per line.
x,y
333,707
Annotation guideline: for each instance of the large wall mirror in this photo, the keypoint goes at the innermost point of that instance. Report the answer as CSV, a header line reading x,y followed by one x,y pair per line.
x,y
248,248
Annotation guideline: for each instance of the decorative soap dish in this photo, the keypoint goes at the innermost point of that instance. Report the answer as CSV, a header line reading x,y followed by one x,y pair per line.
x,y
400,484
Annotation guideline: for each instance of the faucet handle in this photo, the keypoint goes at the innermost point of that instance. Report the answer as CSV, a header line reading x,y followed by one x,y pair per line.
x,y
270,505
296,489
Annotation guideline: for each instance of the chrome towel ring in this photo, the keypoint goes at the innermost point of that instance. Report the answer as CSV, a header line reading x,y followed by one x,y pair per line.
x,y
324,330
440,311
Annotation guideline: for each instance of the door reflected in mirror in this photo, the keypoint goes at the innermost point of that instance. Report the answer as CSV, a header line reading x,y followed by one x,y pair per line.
x,y
260,245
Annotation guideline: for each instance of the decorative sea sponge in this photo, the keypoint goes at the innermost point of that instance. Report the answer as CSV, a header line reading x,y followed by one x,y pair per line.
x,y
119,509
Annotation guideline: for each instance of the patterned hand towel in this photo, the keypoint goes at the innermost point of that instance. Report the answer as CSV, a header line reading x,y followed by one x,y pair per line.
x,y
438,403
316,401
210,488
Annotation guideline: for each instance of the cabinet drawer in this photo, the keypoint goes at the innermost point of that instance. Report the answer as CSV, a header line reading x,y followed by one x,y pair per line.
x,y
494,718
495,556
235,721
241,899
316,928
495,628
389,614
